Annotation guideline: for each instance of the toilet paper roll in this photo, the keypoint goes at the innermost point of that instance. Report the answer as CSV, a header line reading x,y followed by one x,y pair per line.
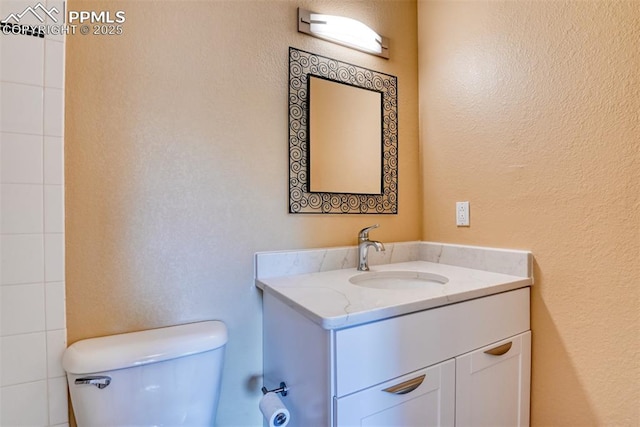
x,y
274,410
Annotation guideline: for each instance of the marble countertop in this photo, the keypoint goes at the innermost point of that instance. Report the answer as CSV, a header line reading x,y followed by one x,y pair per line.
x,y
330,300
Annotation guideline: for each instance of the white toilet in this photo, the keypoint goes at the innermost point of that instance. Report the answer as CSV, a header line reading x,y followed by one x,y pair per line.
x,y
160,377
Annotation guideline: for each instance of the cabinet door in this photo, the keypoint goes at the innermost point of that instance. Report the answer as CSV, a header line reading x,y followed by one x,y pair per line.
x,y
422,398
492,384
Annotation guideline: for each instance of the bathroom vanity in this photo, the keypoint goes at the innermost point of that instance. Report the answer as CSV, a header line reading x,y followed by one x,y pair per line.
x,y
411,343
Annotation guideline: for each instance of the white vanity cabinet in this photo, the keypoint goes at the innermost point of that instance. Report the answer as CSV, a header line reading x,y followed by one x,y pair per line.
x,y
427,368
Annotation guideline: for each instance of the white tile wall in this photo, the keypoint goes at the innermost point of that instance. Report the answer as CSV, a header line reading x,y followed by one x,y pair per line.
x,y
58,403
22,107
54,306
22,209
23,309
21,158
54,64
29,51
22,258
54,257
53,112
53,209
25,404
32,290
24,358
53,160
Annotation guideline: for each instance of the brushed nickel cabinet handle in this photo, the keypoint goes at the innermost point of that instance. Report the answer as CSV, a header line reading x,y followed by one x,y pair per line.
x,y
499,350
407,386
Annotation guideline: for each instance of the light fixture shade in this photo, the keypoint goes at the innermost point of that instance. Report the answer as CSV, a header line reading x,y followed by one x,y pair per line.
x,y
342,30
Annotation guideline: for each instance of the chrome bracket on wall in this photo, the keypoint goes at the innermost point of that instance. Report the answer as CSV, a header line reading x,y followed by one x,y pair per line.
x,y
283,389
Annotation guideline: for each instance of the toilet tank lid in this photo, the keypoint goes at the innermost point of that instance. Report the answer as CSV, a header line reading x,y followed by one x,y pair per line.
x,y
139,348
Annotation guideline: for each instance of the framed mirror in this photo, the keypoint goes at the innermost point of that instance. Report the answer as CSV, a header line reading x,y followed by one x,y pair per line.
x,y
343,137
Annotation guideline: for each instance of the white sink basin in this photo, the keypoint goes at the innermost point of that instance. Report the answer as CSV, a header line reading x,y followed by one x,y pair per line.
x,y
398,280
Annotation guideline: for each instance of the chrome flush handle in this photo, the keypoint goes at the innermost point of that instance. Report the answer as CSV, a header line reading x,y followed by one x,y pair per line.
x,y
100,381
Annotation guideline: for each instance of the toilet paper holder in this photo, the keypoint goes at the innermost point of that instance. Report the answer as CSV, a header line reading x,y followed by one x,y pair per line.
x,y
283,389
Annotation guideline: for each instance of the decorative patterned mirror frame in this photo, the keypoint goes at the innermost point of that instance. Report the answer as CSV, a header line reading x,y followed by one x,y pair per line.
x,y
301,65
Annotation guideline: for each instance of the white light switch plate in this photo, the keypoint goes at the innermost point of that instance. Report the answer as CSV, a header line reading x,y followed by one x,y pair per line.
x,y
462,214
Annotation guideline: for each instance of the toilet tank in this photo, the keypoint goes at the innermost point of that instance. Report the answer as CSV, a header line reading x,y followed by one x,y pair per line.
x,y
160,377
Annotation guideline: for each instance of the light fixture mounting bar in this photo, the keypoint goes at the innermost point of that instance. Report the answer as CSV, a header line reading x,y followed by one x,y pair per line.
x,y
343,31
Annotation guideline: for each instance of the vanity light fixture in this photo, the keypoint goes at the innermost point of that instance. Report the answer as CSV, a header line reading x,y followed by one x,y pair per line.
x,y
344,31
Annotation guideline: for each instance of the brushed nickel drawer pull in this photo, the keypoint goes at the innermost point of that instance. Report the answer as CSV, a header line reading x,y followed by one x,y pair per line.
x,y
407,386
499,350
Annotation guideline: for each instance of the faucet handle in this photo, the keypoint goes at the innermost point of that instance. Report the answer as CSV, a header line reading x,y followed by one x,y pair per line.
x,y
364,233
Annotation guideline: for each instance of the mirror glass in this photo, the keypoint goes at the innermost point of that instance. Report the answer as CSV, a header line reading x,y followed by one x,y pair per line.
x,y
343,137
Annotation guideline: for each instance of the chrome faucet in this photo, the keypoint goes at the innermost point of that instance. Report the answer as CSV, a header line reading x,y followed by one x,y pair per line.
x,y
363,247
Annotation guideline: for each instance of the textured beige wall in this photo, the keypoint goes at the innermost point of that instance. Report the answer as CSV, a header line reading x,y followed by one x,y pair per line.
x,y
177,166
530,110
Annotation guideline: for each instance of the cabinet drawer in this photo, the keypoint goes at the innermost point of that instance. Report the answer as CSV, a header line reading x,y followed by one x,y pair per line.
x,y
373,353
420,399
